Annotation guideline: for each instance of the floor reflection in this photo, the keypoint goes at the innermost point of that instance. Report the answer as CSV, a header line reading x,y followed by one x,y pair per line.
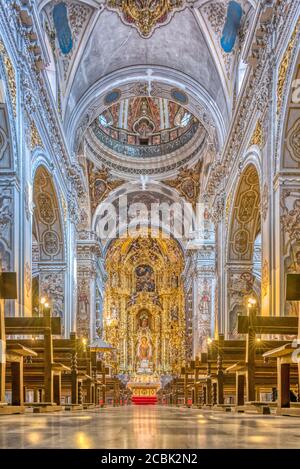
x,y
148,427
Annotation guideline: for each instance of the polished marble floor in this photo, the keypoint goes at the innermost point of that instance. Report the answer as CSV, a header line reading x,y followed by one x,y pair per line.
x,y
148,427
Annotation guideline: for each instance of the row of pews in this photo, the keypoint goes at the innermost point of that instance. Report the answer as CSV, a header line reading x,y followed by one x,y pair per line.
x,y
235,374
44,372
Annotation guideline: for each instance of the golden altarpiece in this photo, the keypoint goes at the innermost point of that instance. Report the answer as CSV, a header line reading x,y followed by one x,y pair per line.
x,y
144,317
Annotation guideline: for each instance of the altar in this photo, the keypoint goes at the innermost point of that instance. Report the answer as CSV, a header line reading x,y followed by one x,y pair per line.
x,y
144,388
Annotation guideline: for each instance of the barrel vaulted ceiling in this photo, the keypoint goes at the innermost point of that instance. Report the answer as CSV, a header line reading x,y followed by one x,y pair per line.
x,y
103,38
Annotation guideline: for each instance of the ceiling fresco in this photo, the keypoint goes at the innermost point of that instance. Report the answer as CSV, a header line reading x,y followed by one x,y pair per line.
x,y
145,121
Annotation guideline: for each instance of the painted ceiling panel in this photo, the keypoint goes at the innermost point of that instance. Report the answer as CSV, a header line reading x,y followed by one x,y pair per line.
x,y
179,45
232,26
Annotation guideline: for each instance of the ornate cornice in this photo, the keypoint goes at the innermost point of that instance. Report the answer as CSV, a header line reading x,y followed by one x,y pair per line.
x,y
284,66
18,21
255,97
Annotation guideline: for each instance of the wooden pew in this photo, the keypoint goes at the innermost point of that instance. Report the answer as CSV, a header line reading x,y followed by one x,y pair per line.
x,y
47,369
221,355
286,363
253,371
15,354
74,374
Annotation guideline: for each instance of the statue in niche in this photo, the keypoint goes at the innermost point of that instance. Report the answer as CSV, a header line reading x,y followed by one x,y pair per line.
x,y
144,350
145,281
144,343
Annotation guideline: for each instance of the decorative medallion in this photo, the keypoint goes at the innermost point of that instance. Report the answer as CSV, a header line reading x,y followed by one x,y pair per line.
x,y
188,183
146,15
247,206
179,96
51,243
112,97
241,240
46,210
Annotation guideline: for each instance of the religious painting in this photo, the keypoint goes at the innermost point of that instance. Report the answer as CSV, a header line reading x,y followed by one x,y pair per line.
x,y
144,350
145,281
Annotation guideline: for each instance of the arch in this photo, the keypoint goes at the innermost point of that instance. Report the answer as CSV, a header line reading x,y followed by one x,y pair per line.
x,y
288,121
155,193
47,217
245,216
48,253
144,294
199,102
244,228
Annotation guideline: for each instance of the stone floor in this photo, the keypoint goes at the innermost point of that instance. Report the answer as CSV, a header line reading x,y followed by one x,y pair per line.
x,y
148,427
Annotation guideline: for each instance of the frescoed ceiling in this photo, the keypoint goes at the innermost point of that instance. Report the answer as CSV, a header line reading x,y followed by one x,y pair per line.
x,y
145,121
92,38
146,86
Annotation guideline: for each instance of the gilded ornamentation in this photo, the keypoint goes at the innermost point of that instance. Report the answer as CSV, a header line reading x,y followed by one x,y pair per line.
x,y
187,183
145,15
47,217
144,318
241,240
35,139
11,77
258,135
100,184
265,279
228,206
245,216
284,66
51,243
46,209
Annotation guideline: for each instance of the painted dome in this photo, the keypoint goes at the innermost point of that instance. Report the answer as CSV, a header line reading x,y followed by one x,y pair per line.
x,y
145,126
